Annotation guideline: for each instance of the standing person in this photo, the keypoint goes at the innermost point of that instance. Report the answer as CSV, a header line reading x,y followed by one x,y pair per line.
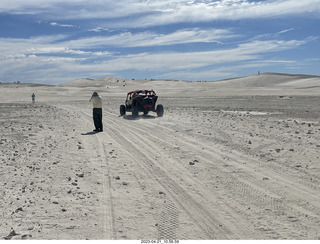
x,y
33,97
97,111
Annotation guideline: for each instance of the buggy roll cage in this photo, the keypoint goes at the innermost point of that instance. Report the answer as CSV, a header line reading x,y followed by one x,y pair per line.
x,y
146,93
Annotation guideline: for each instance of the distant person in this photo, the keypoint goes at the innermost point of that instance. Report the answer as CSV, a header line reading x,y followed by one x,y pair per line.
x,y
97,111
33,98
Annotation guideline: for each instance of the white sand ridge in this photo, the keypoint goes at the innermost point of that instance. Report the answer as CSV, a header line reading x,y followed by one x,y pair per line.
x,y
257,84
273,80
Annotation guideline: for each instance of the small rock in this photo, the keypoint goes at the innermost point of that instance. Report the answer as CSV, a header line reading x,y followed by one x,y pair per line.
x,y
12,233
71,227
81,175
125,183
18,209
118,178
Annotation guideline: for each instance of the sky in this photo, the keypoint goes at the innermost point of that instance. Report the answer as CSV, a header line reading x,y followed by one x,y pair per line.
x,y
56,41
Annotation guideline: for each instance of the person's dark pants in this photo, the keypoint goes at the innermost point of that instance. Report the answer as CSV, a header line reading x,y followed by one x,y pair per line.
x,y
97,119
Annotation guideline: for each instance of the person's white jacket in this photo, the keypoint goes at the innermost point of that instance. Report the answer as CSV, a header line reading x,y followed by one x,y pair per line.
x,y
96,101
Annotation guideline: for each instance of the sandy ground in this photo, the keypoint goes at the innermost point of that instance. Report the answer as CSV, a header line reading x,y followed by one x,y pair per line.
x,y
226,161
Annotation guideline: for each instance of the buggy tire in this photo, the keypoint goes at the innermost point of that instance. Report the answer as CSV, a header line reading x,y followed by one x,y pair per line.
x,y
122,110
160,110
135,111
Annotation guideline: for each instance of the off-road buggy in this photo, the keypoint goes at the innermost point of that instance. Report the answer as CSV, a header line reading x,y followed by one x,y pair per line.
x,y
141,101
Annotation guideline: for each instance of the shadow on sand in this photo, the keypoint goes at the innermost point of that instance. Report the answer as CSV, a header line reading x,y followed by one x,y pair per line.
x,y
89,133
130,117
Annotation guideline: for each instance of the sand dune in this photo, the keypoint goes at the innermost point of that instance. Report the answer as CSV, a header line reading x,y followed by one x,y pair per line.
x,y
100,82
272,80
258,80
233,159
262,84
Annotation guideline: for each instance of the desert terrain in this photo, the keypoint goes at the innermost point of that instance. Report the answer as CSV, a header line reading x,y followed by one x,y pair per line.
x,y
236,159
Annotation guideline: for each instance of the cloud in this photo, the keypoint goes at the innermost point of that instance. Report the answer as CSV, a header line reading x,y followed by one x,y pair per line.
x,y
204,11
100,29
183,36
229,71
272,35
56,57
47,69
61,25
65,43
287,30
198,75
73,9
148,38
135,13
42,45
194,60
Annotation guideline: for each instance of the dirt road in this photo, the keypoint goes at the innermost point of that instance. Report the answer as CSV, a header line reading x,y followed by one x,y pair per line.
x,y
211,168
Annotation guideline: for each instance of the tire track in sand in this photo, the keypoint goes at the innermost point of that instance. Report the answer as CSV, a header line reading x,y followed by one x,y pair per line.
x,y
213,216
168,221
239,178
208,222
206,218
246,183
224,214
98,156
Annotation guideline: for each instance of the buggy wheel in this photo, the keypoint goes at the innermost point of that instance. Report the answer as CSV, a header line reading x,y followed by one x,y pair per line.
x,y
122,110
160,110
135,111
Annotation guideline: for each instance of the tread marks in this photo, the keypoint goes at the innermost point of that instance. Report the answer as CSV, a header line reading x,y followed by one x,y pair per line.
x,y
232,178
107,216
204,219
185,200
168,221
253,189
107,182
